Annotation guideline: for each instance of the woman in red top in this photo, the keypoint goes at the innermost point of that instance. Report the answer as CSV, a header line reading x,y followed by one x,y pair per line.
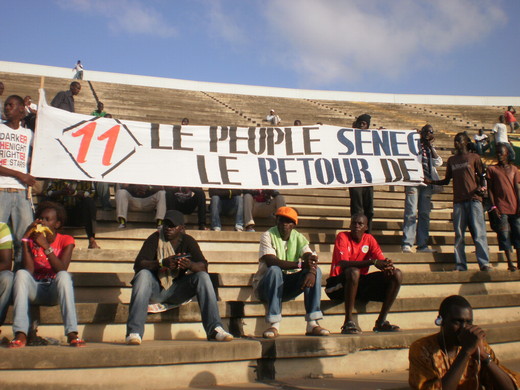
x,y
43,279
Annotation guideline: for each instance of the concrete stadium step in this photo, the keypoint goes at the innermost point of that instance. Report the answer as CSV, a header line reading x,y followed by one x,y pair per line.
x,y
201,363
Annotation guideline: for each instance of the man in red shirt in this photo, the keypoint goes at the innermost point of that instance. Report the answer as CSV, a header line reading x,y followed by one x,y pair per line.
x,y
510,119
504,214
354,253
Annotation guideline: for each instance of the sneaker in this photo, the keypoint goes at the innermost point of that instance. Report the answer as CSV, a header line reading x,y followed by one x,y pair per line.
x,y
133,339
216,229
122,226
486,268
250,228
406,249
219,334
426,250
239,228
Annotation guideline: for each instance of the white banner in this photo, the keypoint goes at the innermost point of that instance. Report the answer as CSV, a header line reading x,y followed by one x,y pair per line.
x,y
81,147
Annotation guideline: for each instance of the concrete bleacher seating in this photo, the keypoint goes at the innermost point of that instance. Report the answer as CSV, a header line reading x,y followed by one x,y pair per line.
x,y
102,277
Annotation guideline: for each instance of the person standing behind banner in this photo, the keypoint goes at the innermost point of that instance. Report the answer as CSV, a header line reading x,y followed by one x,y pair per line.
x,y
273,119
362,198
418,201
65,99
15,203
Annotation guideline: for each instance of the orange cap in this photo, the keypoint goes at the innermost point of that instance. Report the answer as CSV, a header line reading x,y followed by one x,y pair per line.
x,y
288,213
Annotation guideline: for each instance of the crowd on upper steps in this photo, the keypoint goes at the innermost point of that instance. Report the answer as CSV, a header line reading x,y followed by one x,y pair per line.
x,y
170,269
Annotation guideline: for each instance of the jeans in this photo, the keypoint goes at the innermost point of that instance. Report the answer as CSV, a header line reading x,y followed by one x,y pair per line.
x,y
16,206
362,202
277,287
146,289
27,291
6,286
470,213
103,194
233,206
416,224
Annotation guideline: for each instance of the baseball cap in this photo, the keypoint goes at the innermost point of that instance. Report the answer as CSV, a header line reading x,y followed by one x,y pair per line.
x,y
175,217
288,212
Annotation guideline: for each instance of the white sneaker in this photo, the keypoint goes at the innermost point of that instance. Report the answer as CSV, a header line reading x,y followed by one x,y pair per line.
x,y
406,249
216,229
221,335
239,228
133,339
122,226
426,250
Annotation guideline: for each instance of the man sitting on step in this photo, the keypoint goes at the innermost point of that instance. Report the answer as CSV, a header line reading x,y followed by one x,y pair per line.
x,y
354,253
287,268
140,198
170,268
458,357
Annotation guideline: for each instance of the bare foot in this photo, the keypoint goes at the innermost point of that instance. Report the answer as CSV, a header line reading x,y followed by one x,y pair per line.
x,y
92,244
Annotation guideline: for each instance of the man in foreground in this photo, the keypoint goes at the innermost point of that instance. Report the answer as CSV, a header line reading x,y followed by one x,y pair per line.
x,y
170,268
287,268
354,252
458,357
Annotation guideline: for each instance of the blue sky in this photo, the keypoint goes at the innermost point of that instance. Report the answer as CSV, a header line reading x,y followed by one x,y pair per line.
x,y
461,47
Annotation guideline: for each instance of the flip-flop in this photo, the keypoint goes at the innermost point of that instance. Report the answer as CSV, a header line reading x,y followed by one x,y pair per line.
x,y
318,331
270,333
350,327
77,342
16,344
386,327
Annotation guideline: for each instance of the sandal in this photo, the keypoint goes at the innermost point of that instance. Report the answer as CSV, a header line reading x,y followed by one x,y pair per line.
x,y
511,268
318,331
386,327
270,333
16,344
77,342
350,327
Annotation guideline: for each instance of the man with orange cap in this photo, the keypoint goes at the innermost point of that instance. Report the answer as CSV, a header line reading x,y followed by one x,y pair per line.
x,y
287,268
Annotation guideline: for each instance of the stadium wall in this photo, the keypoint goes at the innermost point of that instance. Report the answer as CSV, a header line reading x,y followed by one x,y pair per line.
x,y
160,82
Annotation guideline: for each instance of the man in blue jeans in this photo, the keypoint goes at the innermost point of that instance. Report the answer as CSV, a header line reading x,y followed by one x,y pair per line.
x,y
469,184
226,202
170,268
287,268
418,201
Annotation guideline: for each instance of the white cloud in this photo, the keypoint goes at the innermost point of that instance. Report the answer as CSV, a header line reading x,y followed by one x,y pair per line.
x,y
125,16
335,41
224,24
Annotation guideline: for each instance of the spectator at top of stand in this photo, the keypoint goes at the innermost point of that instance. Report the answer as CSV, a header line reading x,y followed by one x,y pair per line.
x,y
78,68
185,122
458,357
273,119
99,112
481,141
30,107
65,99
510,118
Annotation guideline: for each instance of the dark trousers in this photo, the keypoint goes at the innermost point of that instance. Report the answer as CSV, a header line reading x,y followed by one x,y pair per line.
x,y
362,202
84,214
197,201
